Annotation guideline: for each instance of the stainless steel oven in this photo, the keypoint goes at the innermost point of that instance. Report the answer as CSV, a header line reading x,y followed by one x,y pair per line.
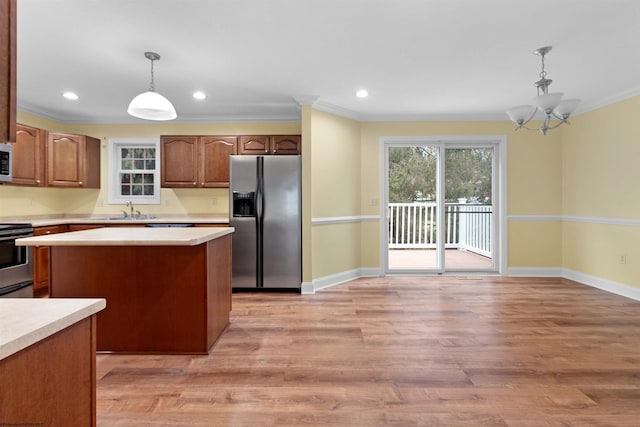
x,y
16,268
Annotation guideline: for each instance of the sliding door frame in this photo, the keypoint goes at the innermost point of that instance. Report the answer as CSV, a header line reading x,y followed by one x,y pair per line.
x,y
499,238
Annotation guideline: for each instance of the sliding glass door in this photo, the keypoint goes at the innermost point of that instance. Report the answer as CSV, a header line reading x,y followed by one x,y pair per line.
x,y
440,200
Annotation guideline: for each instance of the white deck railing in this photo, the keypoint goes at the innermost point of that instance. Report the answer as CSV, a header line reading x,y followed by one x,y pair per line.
x,y
414,226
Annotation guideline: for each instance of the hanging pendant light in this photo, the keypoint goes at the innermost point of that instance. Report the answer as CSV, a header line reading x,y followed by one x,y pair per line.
x,y
550,104
151,105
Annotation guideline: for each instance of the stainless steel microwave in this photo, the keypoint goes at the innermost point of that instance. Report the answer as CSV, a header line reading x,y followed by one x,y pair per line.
x,y
6,151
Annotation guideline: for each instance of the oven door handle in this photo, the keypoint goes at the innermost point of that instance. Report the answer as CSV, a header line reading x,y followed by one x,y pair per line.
x,y
14,237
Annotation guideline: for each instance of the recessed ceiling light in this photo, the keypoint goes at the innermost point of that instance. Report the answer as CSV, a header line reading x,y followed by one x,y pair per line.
x,y
362,93
70,95
199,95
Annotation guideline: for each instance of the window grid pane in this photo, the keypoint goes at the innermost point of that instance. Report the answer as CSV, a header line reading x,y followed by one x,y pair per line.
x,y
135,165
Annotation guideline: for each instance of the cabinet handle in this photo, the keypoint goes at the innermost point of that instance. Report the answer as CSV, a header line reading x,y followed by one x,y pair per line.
x,y
37,181
80,182
48,232
194,183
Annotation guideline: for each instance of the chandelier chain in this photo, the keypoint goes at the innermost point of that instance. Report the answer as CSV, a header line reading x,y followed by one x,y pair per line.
x,y
543,73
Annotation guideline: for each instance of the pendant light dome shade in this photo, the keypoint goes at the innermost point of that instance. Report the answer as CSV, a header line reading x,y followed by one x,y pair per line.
x,y
151,105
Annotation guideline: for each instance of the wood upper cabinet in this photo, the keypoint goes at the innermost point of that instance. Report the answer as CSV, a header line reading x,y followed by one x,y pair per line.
x,y
254,144
29,153
269,144
285,144
196,161
179,161
73,160
214,160
8,70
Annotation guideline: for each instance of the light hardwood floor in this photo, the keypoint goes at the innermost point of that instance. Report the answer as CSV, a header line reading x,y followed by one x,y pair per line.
x,y
403,351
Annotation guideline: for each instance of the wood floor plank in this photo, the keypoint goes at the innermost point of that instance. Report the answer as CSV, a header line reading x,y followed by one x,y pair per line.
x,y
397,351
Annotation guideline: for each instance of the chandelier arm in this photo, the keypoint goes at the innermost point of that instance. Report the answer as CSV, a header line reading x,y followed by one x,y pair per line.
x,y
561,118
558,124
535,110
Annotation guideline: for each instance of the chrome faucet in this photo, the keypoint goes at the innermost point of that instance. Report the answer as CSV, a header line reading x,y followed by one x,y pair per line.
x,y
130,206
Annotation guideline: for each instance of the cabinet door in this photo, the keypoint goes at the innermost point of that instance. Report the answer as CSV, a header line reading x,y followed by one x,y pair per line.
x,y
179,161
65,160
214,160
254,144
28,156
8,71
41,260
285,144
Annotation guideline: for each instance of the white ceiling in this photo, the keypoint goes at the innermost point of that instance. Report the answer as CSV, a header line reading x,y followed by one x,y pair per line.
x,y
257,59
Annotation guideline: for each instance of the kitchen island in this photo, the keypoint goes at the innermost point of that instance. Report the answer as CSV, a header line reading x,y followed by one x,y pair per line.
x,y
48,361
168,290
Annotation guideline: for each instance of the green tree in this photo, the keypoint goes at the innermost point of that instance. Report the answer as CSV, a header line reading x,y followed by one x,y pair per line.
x,y
468,174
412,174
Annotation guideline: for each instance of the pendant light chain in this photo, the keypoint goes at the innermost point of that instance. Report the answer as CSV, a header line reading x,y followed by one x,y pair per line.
x,y
152,87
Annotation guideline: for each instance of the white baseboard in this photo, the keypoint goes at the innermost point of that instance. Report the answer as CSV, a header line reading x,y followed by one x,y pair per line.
x,y
604,284
336,279
586,279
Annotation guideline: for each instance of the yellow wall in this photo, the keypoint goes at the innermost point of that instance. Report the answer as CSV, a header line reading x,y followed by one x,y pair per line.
x,y
534,165
572,194
17,201
335,192
601,207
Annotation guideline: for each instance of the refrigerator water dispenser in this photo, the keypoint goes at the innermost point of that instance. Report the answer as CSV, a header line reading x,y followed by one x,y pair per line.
x,y
244,204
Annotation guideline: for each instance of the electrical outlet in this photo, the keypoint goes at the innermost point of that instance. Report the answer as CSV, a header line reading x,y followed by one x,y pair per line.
x,y
623,259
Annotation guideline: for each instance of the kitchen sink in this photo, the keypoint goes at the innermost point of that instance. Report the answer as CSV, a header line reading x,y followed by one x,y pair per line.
x,y
131,218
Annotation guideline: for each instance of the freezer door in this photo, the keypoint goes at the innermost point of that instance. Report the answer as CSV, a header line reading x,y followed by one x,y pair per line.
x,y
282,222
243,179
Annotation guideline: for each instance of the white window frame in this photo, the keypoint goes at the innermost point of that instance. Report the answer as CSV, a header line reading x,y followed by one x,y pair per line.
x,y
113,185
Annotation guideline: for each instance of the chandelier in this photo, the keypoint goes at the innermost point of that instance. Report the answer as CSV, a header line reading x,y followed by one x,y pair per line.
x,y
550,104
151,105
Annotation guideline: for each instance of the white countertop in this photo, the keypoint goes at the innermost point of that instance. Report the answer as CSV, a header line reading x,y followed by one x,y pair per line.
x,y
43,221
25,321
130,236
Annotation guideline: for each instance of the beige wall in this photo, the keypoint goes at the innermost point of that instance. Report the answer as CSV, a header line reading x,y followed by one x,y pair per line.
x,y
47,201
572,197
601,203
534,167
335,192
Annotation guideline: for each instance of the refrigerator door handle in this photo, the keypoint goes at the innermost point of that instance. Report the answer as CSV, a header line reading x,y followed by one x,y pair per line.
x,y
260,221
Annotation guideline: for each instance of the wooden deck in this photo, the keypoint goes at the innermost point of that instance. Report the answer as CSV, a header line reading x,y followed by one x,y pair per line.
x,y
424,259
401,351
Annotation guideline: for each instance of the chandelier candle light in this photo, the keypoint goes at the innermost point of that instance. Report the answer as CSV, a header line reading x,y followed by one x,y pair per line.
x,y
151,105
549,103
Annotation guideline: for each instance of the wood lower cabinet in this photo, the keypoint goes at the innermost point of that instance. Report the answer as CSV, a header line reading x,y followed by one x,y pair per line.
x,y
73,160
8,46
196,161
42,260
29,152
52,382
269,144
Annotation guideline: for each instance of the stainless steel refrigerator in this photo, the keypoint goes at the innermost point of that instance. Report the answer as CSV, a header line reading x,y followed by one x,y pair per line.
x,y
265,210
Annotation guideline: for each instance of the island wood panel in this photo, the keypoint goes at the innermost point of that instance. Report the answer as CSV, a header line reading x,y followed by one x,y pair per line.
x,y
52,382
160,299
